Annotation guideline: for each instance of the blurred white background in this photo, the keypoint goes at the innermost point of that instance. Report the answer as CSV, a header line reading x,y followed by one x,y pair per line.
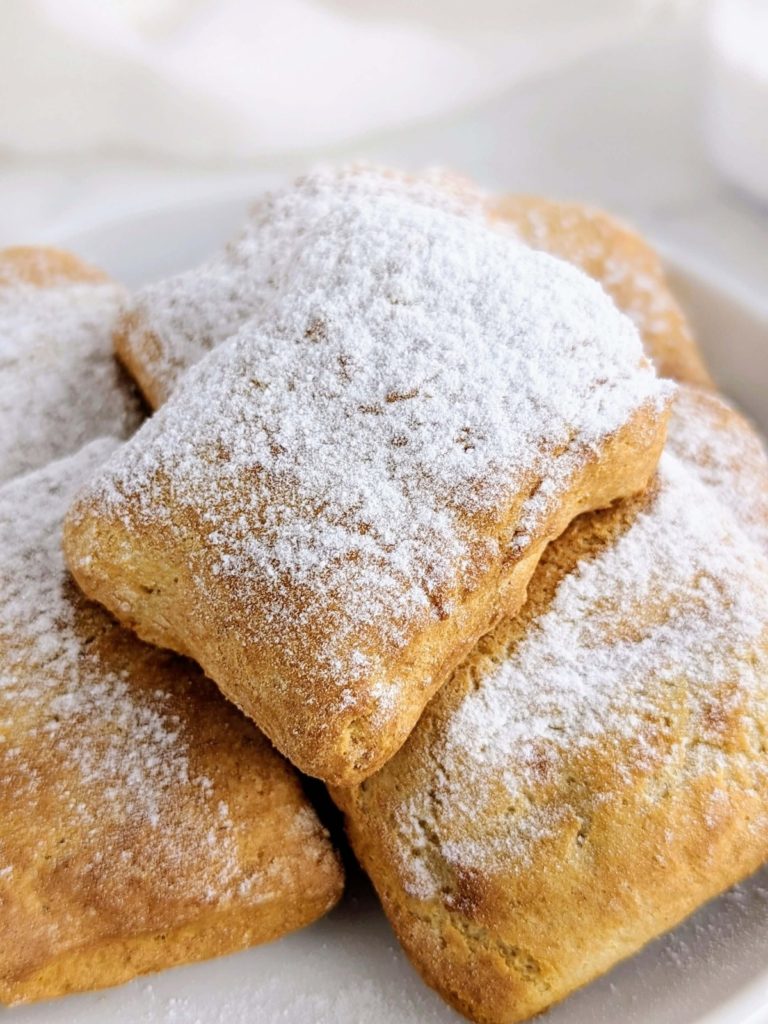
x,y
110,106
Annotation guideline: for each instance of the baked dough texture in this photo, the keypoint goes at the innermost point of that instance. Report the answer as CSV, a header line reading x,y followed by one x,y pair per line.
x,y
171,324
596,769
143,821
60,384
335,504
623,262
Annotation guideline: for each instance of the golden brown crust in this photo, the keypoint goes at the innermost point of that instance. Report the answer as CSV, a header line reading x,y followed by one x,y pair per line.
x,y
44,267
623,262
114,960
60,385
155,594
122,928
143,821
138,350
634,831
527,943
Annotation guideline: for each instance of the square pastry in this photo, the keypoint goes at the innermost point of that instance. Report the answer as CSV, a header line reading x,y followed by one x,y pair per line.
x,y
597,768
336,503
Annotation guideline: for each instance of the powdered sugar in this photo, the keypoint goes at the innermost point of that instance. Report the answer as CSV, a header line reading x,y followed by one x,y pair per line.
x,y
192,312
60,385
86,745
728,455
346,452
609,251
675,595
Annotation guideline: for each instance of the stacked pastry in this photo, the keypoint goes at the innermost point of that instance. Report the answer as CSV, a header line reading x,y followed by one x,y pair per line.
x,y
144,821
404,501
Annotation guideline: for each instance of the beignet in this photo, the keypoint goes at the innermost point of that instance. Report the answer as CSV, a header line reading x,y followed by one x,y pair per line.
x,y
596,769
335,504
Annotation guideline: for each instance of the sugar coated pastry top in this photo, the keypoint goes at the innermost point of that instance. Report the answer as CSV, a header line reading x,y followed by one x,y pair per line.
x,y
408,413
118,741
60,385
174,322
133,797
644,646
729,457
626,266
595,770
169,325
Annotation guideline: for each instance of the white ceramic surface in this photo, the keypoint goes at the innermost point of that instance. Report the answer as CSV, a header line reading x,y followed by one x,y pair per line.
x,y
348,968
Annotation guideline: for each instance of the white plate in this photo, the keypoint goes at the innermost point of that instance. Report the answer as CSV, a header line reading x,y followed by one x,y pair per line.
x,y
348,967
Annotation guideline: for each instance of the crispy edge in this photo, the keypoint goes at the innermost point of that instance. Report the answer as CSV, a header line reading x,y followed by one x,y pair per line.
x,y
216,934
